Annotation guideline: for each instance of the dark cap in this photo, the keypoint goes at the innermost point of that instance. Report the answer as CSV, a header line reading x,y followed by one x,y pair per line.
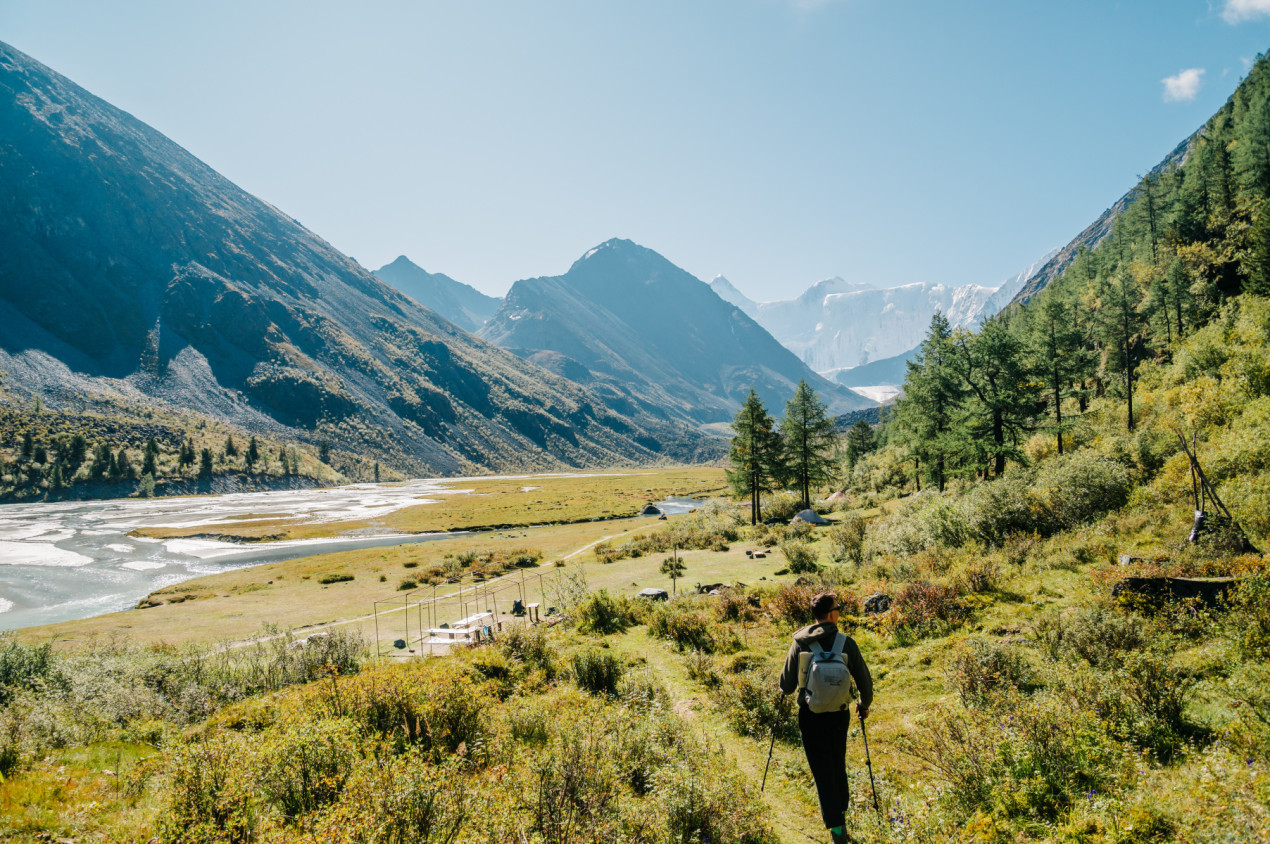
x,y
825,603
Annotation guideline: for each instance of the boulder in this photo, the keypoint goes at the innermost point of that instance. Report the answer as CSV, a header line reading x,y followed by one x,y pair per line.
x,y
654,594
877,603
651,510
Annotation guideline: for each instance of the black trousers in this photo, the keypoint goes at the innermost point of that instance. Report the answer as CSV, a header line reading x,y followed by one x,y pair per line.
x,y
824,737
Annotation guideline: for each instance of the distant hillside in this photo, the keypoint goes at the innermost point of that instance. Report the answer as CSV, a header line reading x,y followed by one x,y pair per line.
x,y
651,337
837,324
130,269
1096,232
886,371
461,304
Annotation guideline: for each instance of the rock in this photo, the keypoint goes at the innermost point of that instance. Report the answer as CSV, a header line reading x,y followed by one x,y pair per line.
x,y
759,555
653,594
709,588
1126,560
399,644
1209,591
877,603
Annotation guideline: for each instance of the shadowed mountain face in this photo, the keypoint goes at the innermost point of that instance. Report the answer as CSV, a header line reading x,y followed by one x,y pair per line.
x,y
649,336
461,304
128,265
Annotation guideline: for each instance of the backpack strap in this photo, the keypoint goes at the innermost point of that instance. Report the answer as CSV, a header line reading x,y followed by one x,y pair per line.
x,y
816,649
839,642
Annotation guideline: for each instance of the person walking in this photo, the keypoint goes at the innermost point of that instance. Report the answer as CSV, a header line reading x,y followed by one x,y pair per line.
x,y
818,651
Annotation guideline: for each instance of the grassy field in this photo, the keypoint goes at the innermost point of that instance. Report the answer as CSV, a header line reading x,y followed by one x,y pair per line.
x,y
484,504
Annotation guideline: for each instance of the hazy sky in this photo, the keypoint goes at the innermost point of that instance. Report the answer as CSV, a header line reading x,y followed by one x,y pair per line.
x,y
777,142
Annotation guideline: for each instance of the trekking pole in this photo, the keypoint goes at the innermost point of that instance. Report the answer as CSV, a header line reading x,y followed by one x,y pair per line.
x,y
869,764
770,748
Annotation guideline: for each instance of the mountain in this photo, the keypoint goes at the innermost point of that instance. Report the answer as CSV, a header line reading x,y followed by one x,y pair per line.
x,y
129,268
1097,231
892,370
461,304
649,336
836,325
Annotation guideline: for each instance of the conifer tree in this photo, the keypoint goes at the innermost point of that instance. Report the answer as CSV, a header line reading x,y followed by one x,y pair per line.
x,y
932,399
808,435
123,465
860,442
231,448
205,464
253,454
1003,397
755,453
150,459
28,445
101,462
1057,352
1119,323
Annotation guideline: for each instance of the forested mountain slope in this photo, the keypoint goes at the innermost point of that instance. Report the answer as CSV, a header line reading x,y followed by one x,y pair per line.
x,y
129,268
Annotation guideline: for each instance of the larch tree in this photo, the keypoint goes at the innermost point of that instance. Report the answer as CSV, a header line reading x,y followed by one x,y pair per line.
x,y
809,438
755,453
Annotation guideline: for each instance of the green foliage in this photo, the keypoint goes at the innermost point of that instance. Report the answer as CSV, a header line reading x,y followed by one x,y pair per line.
x,y
807,434
924,609
306,766
753,705
601,614
846,540
981,671
801,556
755,453
334,578
598,672
22,666
689,627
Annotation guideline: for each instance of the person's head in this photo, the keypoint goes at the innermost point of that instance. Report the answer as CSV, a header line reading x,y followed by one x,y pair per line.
x,y
825,607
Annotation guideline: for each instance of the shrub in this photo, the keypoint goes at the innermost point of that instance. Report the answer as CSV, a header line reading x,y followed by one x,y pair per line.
x,y
600,614
753,705
1002,508
801,556
924,520
407,584
530,645
846,540
685,625
1034,765
396,800
23,665
926,609
735,605
334,578
791,604
780,506
700,666
981,670
208,798
1077,488
1099,636
1249,620
306,767
597,672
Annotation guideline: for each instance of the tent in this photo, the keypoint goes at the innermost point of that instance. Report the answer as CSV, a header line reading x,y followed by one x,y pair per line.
x,y
811,517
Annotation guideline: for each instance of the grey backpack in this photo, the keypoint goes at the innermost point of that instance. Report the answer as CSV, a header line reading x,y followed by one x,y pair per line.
x,y
828,681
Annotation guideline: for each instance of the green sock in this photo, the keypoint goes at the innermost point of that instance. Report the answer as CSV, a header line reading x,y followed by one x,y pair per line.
x,y
836,830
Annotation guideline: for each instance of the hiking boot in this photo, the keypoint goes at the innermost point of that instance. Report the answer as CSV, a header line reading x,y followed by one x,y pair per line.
x,y
840,837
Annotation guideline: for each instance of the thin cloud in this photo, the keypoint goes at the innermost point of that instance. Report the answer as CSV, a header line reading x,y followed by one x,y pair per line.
x,y
1238,11
810,5
1183,87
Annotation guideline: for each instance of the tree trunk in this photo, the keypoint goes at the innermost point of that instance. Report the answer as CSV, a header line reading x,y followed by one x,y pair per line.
x,y
917,473
998,437
1058,410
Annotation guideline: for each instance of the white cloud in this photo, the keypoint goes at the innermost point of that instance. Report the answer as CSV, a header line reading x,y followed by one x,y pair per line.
x,y
1183,87
1238,11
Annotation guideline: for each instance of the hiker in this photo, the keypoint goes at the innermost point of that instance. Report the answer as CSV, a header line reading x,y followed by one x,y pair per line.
x,y
824,693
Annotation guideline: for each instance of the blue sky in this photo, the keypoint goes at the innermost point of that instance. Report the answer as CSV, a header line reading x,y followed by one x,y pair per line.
x,y
777,142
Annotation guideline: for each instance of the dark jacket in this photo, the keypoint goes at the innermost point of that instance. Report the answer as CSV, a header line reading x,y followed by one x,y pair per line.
x,y
824,633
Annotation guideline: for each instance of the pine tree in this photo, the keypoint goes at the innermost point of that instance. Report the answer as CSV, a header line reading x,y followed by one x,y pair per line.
x,y
41,454
1119,324
1057,352
231,448
150,459
28,445
324,452
253,454
860,442
205,464
76,452
755,453
673,568
376,471
809,437
932,399
124,465
284,462
1259,257
101,462
1004,399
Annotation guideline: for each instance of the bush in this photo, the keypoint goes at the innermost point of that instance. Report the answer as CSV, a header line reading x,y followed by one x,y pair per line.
x,y
334,578
981,671
846,540
1098,636
600,614
925,609
801,556
597,672
1077,488
791,604
689,627
530,646
208,798
21,666
700,666
1034,765
753,705
1249,620
306,767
